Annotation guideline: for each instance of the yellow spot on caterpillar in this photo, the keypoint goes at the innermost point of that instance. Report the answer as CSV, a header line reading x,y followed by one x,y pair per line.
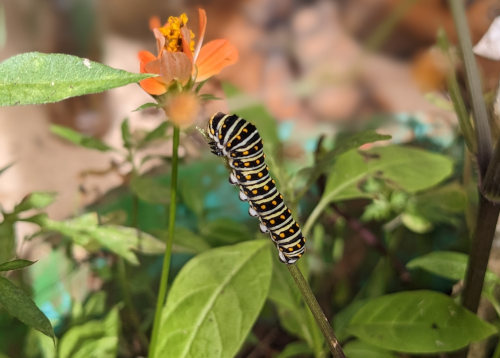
x,y
260,175
272,222
266,187
281,249
257,161
256,148
274,181
263,155
274,202
233,155
238,176
238,137
299,256
262,206
212,130
282,217
289,212
220,136
224,126
245,152
247,164
249,177
291,230
282,235
290,249
304,239
254,191
281,196
245,130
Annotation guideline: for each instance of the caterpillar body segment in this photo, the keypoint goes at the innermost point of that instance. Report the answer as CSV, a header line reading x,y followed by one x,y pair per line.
x,y
240,143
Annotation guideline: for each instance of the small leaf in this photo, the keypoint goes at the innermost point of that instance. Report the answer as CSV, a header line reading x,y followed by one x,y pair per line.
x,y
295,349
146,106
224,232
35,78
36,200
209,97
79,139
126,135
359,349
5,168
418,322
157,133
447,264
150,190
15,265
416,223
214,301
19,305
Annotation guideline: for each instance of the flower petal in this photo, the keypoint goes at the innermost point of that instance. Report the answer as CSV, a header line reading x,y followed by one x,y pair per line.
x,y
154,22
202,25
153,86
175,66
186,39
145,57
213,57
160,40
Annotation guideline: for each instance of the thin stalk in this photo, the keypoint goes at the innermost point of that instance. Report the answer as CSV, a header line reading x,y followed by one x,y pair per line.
x,y
168,250
122,277
480,114
317,312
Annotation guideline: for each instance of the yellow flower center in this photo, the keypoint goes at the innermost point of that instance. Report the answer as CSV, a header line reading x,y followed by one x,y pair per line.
x,y
172,32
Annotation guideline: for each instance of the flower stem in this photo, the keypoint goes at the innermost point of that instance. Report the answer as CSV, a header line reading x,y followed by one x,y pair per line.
x,y
317,312
168,250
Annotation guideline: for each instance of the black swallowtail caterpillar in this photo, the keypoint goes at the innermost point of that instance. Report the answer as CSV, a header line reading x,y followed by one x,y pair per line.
x,y
239,141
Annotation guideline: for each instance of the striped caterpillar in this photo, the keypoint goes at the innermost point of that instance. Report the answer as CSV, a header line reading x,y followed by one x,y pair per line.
x,y
239,141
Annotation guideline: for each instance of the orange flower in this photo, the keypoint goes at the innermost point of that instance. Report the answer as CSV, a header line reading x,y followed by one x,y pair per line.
x,y
180,58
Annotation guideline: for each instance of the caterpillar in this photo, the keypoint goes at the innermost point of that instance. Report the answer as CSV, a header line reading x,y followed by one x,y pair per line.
x,y
240,143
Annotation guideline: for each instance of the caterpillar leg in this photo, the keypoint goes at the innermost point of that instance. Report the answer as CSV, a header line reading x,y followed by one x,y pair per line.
x,y
252,212
263,228
232,179
243,196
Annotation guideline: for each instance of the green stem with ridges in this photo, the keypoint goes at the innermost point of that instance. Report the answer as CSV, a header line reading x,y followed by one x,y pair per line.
x,y
168,250
316,311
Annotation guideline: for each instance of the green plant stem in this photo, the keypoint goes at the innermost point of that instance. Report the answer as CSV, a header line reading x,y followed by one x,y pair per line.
x,y
317,312
480,114
122,277
168,250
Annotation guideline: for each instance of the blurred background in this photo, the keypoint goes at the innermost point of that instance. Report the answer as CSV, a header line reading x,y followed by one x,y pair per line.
x,y
313,64
319,67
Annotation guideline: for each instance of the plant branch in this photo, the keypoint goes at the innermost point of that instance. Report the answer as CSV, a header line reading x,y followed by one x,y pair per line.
x,y
474,86
316,311
168,250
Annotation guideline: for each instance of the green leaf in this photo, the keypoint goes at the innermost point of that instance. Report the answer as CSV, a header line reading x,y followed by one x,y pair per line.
x,y
416,223
447,264
15,265
36,200
96,338
418,322
214,301
35,78
359,349
123,241
187,241
295,349
146,106
157,133
79,139
19,305
126,135
224,232
407,168
5,168
150,190
7,240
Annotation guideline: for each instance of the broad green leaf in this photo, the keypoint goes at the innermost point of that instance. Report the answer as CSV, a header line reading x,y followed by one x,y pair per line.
x,y
253,112
85,231
447,264
15,265
79,139
407,168
7,240
187,241
38,345
359,349
18,304
418,322
214,301
126,135
150,190
96,338
35,78
36,200
224,232
295,349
